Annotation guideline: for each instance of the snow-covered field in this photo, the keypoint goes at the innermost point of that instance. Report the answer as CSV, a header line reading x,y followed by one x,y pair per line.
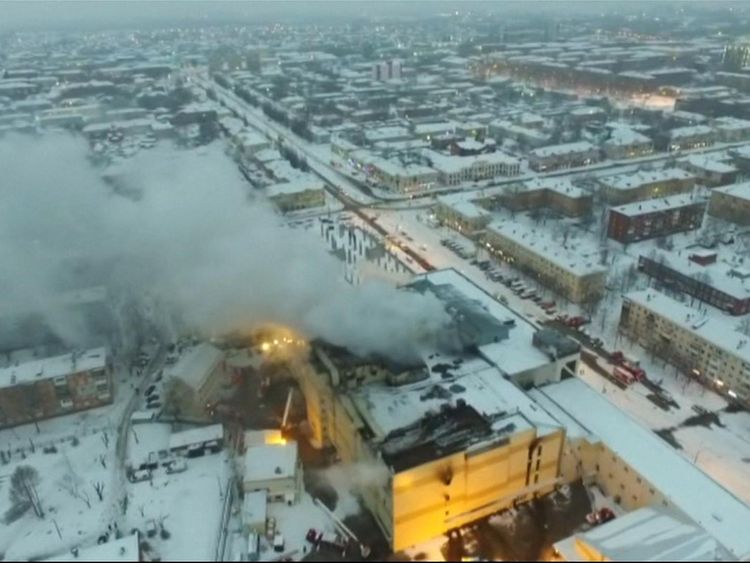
x,y
73,513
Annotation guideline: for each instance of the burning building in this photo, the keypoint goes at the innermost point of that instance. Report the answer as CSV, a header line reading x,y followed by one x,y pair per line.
x,y
451,437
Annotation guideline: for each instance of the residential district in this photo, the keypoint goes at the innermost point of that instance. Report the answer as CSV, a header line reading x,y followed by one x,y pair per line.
x,y
574,192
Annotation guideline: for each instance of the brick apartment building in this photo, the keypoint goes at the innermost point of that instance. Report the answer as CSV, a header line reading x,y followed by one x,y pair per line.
x,y
655,218
720,285
36,389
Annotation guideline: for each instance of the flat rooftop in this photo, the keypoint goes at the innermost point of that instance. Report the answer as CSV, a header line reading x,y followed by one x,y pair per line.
x,y
562,150
461,205
699,497
642,178
657,205
573,259
720,274
718,332
740,191
56,366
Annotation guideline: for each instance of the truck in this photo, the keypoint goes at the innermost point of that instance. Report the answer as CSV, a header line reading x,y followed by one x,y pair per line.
x,y
622,375
619,359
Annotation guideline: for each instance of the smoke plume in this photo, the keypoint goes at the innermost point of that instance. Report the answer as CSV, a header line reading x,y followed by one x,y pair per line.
x,y
192,251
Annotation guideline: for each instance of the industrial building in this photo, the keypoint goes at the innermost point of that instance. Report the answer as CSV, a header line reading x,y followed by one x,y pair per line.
x,y
452,437
571,271
655,218
707,348
731,203
700,275
37,388
645,184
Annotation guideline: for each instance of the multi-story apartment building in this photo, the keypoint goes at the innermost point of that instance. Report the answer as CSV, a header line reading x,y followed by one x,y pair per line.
x,y
464,216
624,142
35,389
731,203
568,155
723,286
558,194
645,184
692,137
567,269
709,349
732,129
710,171
655,218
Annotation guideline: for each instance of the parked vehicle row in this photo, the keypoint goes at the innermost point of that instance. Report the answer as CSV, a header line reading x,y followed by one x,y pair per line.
x,y
457,248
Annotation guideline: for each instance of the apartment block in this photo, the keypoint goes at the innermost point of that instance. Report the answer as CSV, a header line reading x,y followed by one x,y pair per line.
x,y
645,184
34,389
655,218
568,269
709,349
731,203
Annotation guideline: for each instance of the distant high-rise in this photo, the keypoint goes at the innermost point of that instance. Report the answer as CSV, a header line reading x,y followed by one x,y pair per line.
x,y
736,56
386,70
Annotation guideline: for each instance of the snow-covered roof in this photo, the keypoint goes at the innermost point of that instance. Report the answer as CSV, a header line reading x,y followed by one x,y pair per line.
x,y
575,259
684,485
510,127
463,206
196,436
625,136
691,131
561,186
295,186
741,190
254,507
641,178
271,461
451,164
195,366
56,366
562,150
656,205
709,163
731,123
647,534
123,549
718,332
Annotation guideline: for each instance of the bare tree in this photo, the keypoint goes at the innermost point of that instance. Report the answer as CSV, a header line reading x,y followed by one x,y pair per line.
x,y
23,491
99,488
72,483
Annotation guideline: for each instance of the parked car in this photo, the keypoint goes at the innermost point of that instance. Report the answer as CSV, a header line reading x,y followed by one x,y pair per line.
x,y
600,516
176,466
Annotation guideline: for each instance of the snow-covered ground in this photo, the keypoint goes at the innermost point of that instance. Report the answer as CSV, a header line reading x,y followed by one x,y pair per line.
x,y
189,505
73,513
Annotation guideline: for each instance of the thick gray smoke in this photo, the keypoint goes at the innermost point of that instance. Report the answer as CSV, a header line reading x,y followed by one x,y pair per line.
x,y
192,247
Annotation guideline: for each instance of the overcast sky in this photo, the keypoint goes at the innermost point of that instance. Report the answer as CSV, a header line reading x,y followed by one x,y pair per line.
x,y
28,14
